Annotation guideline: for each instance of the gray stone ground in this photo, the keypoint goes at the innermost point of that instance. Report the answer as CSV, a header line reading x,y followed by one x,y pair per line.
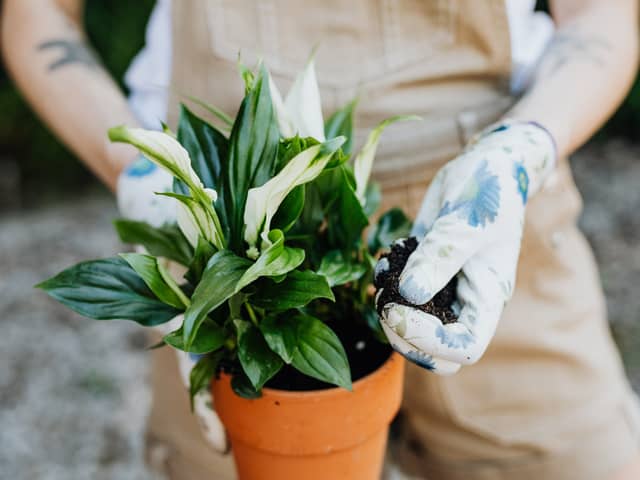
x,y
73,395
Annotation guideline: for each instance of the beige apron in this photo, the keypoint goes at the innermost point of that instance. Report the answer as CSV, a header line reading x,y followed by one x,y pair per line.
x,y
546,402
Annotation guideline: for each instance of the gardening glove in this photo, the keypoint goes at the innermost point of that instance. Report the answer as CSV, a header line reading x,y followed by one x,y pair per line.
x,y
137,200
210,424
470,224
136,196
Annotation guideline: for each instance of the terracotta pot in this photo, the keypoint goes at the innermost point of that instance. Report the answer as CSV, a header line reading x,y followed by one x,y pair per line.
x,y
324,434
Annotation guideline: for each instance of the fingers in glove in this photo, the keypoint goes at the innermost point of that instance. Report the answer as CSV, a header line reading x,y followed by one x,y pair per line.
x,y
411,353
439,256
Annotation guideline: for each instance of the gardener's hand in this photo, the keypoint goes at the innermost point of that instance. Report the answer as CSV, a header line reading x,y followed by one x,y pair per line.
x,y
470,224
136,189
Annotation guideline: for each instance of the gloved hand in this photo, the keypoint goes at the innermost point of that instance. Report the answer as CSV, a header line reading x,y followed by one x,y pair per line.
x,y
137,200
136,196
470,224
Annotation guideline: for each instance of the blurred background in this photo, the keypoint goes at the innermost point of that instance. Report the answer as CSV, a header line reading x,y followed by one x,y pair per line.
x,y
53,213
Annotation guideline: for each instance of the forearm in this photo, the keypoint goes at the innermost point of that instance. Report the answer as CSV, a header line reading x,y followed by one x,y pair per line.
x,y
46,53
586,71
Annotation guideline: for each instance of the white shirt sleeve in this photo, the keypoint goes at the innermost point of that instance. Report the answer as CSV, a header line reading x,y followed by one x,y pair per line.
x,y
149,74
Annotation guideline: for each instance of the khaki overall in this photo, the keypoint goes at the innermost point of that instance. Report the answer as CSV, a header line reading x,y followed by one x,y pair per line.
x,y
550,402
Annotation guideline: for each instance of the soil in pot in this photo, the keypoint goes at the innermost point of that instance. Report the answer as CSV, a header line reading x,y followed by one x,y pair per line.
x,y
439,306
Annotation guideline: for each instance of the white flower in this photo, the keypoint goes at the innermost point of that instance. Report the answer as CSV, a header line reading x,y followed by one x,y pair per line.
x,y
263,202
301,111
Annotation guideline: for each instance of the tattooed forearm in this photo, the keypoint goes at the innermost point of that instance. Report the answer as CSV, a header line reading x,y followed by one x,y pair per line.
x,y
573,46
70,51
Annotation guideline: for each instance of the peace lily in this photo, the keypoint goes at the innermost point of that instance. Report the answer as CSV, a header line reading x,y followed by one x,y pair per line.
x,y
263,258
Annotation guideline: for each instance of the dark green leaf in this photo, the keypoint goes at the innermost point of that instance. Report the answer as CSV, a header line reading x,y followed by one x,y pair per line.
x,y
210,337
241,385
295,291
319,352
204,251
256,358
339,270
392,225
341,123
346,219
253,147
289,210
163,286
280,333
167,241
218,283
208,150
276,260
202,373
108,289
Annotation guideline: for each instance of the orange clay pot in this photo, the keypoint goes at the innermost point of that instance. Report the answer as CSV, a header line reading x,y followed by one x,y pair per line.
x,y
323,434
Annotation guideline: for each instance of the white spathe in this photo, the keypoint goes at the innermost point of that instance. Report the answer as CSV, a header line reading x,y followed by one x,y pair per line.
x,y
301,111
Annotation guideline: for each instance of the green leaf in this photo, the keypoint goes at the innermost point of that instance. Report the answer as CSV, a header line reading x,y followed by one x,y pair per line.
x,y
204,251
210,337
290,210
346,219
218,283
208,150
341,123
241,385
295,291
166,241
256,358
213,110
291,147
202,373
280,333
275,260
253,147
319,352
157,279
392,225
339,270
372,197
108,289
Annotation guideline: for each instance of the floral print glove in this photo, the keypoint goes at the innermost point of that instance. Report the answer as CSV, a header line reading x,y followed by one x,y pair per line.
x,y
136,189
470,225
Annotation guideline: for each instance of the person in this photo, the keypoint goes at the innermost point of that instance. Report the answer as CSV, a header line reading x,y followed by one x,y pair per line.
x,y
547,396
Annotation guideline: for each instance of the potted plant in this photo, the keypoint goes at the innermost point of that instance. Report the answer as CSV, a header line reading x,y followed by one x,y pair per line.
x,y
276,294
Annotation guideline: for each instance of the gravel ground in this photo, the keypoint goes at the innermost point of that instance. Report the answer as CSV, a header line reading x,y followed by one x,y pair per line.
x,y
73,395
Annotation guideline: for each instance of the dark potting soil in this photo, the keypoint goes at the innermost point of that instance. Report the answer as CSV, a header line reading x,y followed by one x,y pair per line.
x,y
439,306
364,351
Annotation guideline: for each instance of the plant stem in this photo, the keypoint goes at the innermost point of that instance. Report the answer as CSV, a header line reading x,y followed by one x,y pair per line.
x,y
252,314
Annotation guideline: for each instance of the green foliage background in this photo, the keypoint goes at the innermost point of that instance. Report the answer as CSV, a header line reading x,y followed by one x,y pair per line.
x,y
116,29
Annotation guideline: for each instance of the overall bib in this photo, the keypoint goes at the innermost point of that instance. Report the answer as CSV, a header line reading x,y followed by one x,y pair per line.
x,y
550,402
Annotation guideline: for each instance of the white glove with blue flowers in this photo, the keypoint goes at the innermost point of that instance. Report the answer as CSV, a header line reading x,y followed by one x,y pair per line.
x,y
136,196
470,224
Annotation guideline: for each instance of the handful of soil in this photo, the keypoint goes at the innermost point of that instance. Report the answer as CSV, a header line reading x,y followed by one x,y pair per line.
x,y
439,306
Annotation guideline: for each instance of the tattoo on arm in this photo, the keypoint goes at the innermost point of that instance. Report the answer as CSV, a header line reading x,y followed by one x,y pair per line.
x,y
70,51
571,45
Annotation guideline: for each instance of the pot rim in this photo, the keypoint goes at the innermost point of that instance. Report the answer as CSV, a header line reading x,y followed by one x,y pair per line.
x,y
330,391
